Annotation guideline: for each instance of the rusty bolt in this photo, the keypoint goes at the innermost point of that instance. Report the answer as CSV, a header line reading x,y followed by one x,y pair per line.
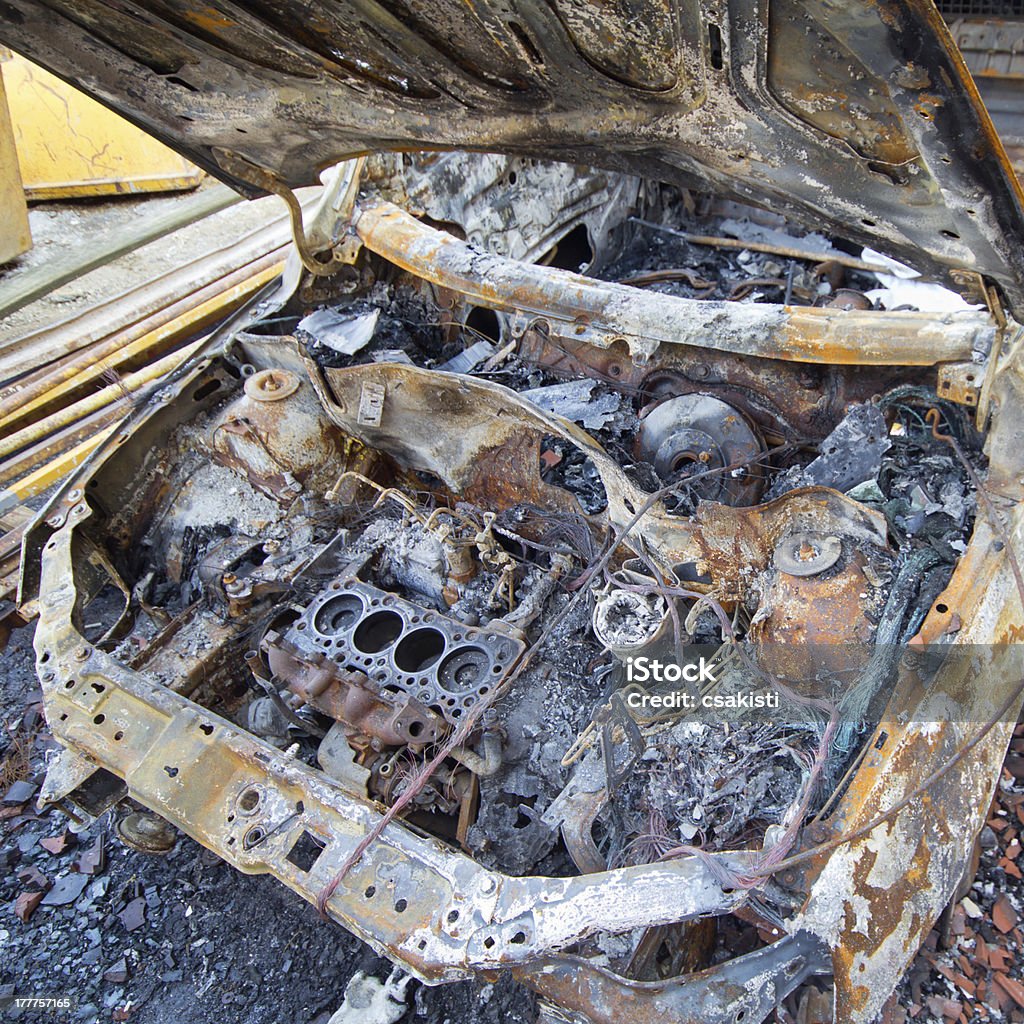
x,y
47,676
55,521
818,832
82,654
788,878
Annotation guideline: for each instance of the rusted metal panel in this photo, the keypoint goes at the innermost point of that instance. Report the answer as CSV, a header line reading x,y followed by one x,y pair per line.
x,y
604,314
902,155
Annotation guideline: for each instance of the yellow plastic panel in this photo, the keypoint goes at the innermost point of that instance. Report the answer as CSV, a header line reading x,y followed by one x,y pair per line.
x,y
69,145
15,237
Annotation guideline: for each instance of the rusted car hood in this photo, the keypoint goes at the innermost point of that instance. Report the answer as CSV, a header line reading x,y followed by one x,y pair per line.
x,y
859,118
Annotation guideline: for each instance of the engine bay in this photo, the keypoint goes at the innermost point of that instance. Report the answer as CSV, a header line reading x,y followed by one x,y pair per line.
x,y
591,619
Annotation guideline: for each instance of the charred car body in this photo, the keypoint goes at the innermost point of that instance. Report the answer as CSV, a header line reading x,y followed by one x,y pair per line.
x,y
355,598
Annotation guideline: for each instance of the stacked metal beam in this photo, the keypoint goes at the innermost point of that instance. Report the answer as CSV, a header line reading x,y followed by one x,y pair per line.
x,y
65,387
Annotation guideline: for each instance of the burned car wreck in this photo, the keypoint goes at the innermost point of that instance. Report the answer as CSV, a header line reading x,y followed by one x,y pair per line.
x,y
359,597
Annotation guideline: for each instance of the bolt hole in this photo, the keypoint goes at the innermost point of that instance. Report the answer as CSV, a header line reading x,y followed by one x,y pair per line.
x,y
941,609
100,719
453,916
249,800
400,906
370,892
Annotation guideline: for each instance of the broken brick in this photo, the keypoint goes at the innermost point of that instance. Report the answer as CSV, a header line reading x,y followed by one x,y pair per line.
x,y
959,980
32,878
1004,917
1013,988
1009,867
26,905
997,958
941,1007
58,844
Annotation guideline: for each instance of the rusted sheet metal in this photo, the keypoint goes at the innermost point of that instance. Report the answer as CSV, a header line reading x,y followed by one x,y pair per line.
x,y
858,118
747,537
876,898
604,313
782,397
747,988
807,612
275,434
486,445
